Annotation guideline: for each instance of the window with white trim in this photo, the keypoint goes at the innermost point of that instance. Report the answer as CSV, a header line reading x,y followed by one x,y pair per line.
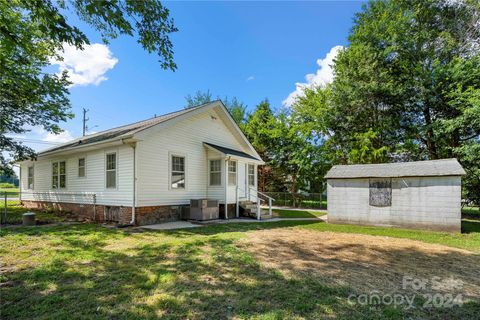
x,y
30,180
59,175
111,170
215,172
81,167
232,173
177,180
251,174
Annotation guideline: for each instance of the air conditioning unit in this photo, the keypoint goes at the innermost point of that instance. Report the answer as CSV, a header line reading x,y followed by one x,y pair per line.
x,y
203,209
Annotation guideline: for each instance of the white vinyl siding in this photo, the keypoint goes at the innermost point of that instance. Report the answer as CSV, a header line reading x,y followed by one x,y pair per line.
x,y
59,175
215,172
177,172
81,167
94,181
31,177
232,173
111,170
251,175
184,138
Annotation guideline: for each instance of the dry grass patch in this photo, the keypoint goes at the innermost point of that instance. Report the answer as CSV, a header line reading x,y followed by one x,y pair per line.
x,y
365,263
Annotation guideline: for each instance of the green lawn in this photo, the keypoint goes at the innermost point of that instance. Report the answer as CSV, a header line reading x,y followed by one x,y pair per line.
x,y
285,213
11,192
88,271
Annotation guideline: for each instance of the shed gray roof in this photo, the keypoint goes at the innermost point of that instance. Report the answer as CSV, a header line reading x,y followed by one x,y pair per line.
x,y
120,132
430,168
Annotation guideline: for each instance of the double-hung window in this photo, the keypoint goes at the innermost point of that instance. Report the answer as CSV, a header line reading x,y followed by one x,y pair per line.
x,y
177,178
81,167
215,173
251,175
232,173
31,174
111,170
59,175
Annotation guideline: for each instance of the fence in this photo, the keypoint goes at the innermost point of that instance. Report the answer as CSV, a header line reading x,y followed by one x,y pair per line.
x,y
299,200
11,211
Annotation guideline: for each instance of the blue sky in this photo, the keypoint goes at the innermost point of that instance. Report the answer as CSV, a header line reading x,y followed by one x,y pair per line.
x,y
250,50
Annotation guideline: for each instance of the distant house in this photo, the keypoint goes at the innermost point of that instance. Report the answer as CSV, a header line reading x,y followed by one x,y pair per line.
x,y
147,172
422,194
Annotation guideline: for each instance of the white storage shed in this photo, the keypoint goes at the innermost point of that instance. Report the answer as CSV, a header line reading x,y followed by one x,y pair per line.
x,y
421,194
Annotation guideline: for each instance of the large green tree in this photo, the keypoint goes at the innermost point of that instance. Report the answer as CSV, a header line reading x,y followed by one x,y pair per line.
x,y
407,87
33,33
237,109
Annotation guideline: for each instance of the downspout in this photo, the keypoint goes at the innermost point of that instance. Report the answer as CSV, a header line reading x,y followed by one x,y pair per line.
x,y
226,187
134,198
133,143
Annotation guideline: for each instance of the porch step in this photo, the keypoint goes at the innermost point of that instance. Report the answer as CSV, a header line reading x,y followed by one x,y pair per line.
x,y
265,216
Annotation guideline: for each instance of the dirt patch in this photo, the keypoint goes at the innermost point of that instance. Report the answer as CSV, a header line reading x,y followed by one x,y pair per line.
x,y
367,263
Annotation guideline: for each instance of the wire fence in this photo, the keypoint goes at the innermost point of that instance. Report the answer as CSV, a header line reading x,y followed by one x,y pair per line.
x,y
299,200
11,209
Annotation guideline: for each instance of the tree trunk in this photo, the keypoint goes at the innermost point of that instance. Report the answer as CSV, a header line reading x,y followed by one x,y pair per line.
x,y
430,137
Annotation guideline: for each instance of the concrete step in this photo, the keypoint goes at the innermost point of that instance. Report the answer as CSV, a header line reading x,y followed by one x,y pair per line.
x,y
265,217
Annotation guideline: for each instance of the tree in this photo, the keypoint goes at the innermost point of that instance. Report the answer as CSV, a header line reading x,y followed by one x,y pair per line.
x,y
32,33
406,88
237,109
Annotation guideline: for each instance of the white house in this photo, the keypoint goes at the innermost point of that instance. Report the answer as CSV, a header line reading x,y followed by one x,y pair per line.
x,y
147,172
422,194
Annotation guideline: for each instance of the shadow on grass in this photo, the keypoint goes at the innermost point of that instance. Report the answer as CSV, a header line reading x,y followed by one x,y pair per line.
x,y
470,226
206,275
285,213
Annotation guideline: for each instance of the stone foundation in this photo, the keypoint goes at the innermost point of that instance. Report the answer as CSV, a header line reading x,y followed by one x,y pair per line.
x,y
231,211
159,214
116,214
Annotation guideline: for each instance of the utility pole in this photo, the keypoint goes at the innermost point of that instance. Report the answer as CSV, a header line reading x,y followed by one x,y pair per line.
x,y
85,119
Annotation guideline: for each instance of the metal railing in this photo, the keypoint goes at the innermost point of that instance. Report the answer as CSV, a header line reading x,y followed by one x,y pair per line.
x,y
258,199
9,203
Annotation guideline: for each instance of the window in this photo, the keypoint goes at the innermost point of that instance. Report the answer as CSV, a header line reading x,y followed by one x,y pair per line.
x,y
59,175
381,192
81,167
215,173
30,179
178,173
251,175
232,173
111,170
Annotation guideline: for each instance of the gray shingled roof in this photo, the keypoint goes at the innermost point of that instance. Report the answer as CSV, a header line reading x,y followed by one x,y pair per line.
x,y
232,152
444,167
120,132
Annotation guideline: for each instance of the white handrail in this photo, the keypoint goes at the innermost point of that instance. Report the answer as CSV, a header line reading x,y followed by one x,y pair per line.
x,y
259,199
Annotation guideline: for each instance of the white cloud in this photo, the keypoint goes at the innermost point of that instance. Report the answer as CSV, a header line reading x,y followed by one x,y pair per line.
x,y
41,134
63,136
86,66
323,76
250,78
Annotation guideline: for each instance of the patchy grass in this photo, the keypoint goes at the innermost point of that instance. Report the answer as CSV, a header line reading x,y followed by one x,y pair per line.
x,y
285,213
469,239
88,271
15,212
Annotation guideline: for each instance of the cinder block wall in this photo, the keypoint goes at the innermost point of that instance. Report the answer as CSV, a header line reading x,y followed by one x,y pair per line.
x,y
417,202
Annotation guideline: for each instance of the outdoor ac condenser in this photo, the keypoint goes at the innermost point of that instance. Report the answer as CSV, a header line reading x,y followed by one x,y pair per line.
x,y
203,209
